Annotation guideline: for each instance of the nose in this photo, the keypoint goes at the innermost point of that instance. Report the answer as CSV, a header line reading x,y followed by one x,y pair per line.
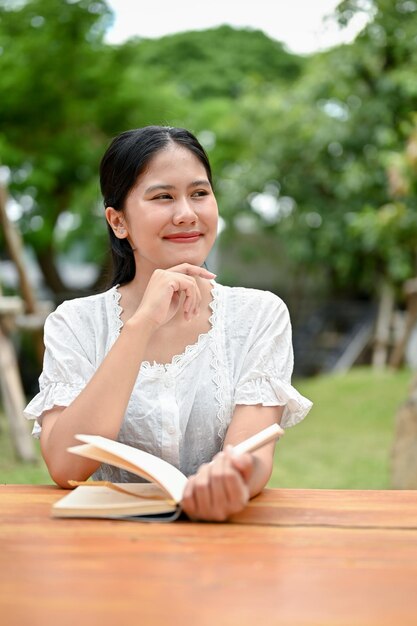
x,y
184,212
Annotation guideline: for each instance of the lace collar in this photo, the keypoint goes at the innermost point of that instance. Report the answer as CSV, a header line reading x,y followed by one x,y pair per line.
x,y
178,361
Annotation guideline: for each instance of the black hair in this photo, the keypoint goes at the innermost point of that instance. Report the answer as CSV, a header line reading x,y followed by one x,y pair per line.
x,y
126,158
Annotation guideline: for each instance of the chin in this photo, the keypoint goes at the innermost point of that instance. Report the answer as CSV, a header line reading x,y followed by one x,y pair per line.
x,y
191,259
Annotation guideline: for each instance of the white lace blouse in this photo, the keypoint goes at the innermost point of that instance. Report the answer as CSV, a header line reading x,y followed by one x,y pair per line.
x,y
179,411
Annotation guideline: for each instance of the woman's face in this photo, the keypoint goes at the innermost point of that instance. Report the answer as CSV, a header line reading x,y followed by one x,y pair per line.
x,y
170,215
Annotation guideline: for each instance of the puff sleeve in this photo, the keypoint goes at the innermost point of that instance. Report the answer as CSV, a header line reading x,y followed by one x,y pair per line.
x,y
264,375
66,367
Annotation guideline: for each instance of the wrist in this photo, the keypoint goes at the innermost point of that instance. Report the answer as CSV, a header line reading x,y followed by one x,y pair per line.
x,y
141,322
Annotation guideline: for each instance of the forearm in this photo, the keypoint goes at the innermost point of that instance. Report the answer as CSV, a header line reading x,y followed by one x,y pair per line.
x,y
248,420
261,473
100,407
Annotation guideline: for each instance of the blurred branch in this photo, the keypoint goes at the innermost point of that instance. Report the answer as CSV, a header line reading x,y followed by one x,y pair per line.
x,y
15,249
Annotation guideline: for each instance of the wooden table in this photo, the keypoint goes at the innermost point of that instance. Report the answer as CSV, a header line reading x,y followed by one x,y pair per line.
x,y
301,557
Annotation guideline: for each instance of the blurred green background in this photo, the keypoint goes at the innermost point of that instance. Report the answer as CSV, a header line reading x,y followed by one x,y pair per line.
x,y
315,164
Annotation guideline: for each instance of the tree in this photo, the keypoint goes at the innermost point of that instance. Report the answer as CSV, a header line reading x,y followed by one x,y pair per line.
x,y
64,94
321,156
219,62
304,150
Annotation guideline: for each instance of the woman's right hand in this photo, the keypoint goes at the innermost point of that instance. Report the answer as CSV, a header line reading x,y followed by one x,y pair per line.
x,y
170,289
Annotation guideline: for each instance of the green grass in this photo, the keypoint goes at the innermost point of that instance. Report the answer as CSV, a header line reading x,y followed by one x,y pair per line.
x,y
13,471
344,443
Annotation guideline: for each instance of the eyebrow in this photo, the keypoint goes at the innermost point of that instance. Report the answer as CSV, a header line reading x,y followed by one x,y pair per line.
x,y
195,183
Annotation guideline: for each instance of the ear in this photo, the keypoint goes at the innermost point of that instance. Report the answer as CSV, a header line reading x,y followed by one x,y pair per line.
x,y
117,222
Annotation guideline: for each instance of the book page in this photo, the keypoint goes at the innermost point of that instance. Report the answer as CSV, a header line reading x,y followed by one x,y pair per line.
x,y
101,501
133,460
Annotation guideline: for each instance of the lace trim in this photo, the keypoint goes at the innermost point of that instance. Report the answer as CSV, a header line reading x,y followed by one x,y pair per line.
x,y
117,311
219,379
178,361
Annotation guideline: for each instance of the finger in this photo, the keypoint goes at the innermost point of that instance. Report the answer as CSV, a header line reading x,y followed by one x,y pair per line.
x,y
244,464
235,487
229,493
191,503
219,493
198,299
188,503
176,286
180,282
189,301
202,493
192,300
192,270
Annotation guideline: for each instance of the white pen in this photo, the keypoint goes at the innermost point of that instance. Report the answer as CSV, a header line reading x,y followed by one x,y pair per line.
x,y
260,439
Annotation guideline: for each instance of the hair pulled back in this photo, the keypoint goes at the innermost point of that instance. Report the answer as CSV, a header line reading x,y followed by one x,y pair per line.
x,y
126,158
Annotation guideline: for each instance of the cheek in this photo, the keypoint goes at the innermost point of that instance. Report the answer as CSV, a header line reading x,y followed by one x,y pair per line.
x,y
216,223
146,225
212,215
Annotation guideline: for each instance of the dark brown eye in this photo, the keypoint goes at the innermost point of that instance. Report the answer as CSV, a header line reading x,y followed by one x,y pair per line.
x,y
162,196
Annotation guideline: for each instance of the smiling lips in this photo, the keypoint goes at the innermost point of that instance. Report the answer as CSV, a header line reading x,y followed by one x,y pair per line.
x,y
186,237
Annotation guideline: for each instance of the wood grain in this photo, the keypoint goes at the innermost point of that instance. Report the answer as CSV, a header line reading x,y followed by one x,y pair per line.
x,y
294,557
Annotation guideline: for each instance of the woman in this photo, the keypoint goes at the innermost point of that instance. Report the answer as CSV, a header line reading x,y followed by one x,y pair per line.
x,y
167,360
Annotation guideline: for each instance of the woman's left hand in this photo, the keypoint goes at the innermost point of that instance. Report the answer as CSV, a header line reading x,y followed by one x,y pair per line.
x,y
220,488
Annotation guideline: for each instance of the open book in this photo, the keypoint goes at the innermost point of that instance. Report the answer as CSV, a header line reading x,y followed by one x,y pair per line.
x,y
159,499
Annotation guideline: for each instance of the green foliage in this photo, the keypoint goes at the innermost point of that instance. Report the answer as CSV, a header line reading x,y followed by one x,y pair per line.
x,y
220,62
65,93
326,143
333,145
389,235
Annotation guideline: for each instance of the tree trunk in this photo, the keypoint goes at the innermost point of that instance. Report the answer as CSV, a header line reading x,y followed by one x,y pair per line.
x,y
14,400
15,250
404,450
383,326
46,261
397,356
